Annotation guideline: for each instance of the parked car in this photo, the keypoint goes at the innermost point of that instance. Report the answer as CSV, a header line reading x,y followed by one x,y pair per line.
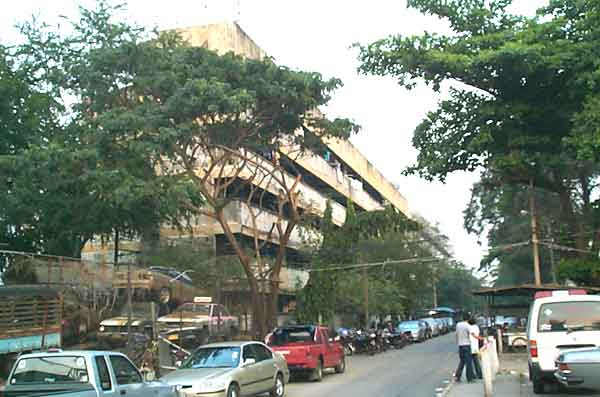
x,y
579,368
442,325
558,321
196,323
433,326
231,369
308,349
113,331
415,328
80,373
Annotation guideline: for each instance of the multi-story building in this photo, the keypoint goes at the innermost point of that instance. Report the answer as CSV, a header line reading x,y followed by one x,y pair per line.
x,y
339,174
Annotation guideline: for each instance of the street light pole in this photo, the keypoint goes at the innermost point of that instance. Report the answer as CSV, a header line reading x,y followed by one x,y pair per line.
x,y
534,236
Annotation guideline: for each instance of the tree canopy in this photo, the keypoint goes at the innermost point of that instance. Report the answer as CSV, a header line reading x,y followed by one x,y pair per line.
x,y
520,106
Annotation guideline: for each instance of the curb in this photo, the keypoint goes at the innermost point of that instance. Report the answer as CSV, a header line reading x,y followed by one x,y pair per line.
x,y
443,390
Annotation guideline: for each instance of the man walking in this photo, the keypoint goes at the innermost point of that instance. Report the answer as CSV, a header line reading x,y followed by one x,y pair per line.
x,y
474,335
463,340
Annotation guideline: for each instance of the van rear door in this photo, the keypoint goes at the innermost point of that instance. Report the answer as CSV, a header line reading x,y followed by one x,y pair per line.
x,y
565,325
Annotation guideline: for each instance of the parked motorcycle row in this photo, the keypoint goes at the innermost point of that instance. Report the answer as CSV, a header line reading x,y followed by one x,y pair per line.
x,y
371,341
378,340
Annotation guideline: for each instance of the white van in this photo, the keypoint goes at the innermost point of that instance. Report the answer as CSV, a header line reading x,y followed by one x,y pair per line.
x,y
559,320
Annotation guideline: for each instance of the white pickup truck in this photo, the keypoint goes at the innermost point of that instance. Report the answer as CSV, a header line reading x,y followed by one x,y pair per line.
x,y
80,374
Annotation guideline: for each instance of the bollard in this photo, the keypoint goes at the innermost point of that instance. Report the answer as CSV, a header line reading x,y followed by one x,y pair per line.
x,y
489,365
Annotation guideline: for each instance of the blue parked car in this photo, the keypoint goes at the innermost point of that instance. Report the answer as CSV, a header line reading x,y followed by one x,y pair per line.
x,y
417,330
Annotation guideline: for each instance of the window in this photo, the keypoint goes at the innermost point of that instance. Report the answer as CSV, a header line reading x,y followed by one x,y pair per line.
x,y
319,338
250,352
103,374
262,352
213,357
44,370
565,316
125,372
198,308
283,336
224,311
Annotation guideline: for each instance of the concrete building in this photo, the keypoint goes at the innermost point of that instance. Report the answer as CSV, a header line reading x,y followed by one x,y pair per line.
x,y
341,173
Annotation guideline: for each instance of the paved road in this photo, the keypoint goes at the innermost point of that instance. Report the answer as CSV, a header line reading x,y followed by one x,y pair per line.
x,y
413,371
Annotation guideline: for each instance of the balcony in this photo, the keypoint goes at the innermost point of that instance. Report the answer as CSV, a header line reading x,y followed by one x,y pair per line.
x,y
334,177
348,153
240,220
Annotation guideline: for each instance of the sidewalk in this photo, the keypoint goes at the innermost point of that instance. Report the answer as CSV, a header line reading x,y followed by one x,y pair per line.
x,y
506,385
512,381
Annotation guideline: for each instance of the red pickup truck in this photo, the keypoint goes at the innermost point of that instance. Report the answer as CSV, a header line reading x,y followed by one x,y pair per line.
x,y
308,349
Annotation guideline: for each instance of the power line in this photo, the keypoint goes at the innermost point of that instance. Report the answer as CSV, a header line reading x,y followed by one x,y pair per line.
x,y
565,248
337,266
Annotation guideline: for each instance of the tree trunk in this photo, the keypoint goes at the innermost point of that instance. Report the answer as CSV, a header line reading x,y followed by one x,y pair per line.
x,y
272,304
259,327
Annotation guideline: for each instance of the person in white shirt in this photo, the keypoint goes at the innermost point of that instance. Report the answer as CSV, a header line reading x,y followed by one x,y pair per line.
x,y
464,350
475,337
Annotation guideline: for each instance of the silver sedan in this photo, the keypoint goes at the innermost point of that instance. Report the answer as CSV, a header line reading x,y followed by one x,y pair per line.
x,y
579,368
231,369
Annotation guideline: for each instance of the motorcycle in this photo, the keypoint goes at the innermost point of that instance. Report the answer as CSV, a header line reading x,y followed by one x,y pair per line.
x,y
399,340
360,341
346,337
373,345
385,339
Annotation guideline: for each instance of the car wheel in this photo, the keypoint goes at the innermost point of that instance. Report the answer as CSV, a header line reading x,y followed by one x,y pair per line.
x,y
279,388
341,367
538,386
318,372
233,390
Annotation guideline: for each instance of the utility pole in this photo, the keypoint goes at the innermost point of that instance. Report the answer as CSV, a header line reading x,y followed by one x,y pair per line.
x,y
433,276
551,248
365,282
534,236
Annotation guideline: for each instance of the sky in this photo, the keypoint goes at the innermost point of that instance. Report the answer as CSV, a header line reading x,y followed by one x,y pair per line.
x,y
316,35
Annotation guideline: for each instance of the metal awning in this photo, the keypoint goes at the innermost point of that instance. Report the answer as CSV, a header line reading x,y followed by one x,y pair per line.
x,y
527,290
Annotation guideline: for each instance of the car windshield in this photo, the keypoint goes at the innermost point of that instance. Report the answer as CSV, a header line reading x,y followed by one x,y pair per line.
x,y
409,325
197,308
213,357
50,370
284,336
569,316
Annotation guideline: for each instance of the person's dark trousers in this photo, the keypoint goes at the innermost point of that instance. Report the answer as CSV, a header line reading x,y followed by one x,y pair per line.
x,y
477,366
466,359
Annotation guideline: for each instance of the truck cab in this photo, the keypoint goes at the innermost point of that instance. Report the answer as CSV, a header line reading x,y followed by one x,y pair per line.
x,y
308,349
80,374
198,321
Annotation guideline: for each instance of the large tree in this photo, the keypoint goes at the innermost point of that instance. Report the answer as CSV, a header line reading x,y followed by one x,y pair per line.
x,y
67,180
519,91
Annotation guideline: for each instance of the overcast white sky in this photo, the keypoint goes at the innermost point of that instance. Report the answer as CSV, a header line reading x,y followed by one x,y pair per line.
x,y
316,35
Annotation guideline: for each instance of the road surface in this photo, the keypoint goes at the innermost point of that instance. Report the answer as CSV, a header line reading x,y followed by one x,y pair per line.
x,y
413,371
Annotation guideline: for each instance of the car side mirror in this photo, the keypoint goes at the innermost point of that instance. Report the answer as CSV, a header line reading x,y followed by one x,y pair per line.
x,y
249,361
